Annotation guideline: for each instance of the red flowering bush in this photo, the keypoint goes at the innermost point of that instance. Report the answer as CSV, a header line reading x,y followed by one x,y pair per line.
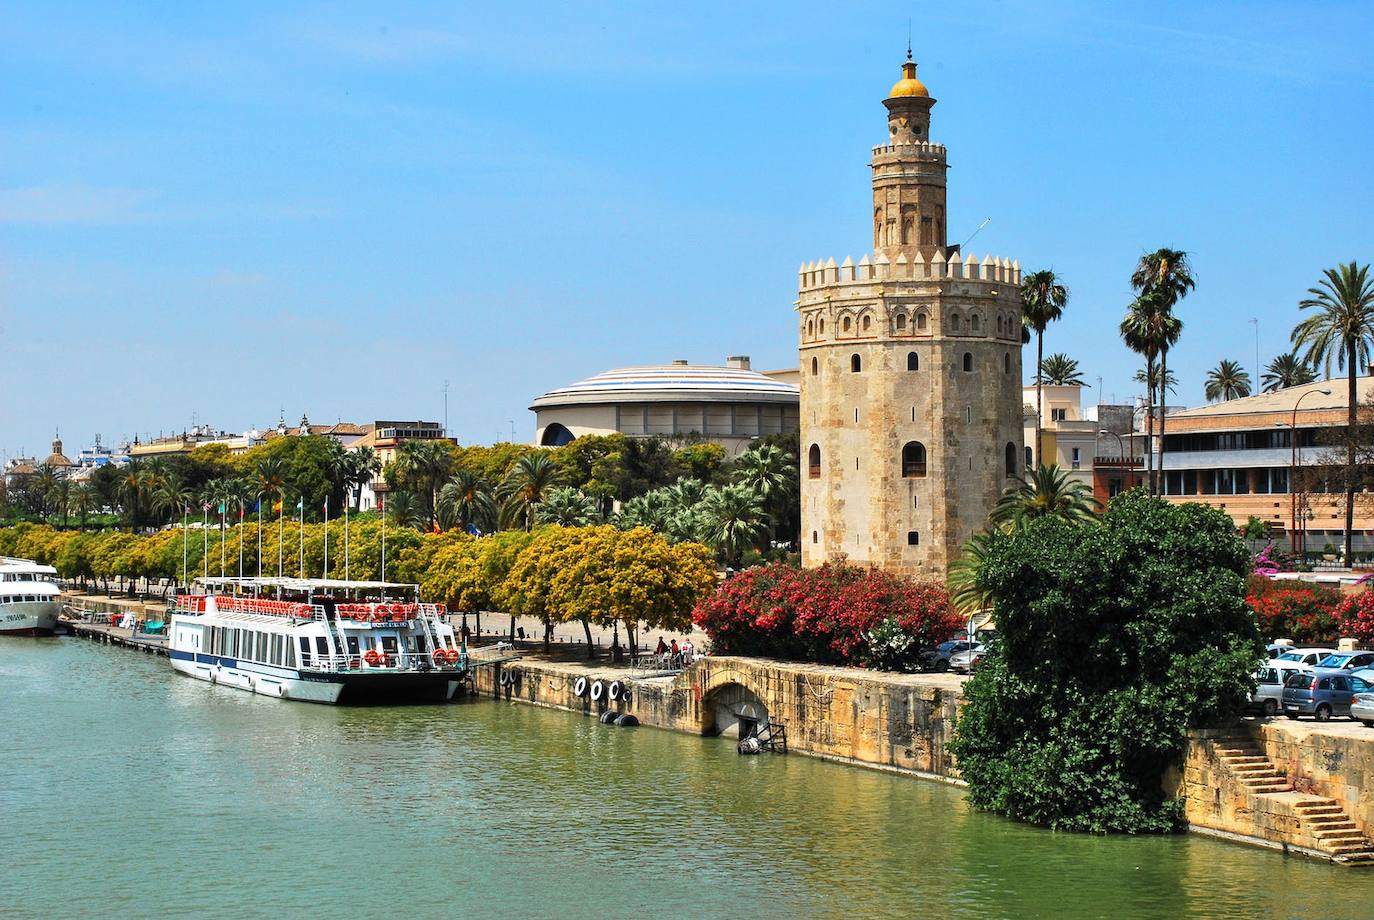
x,y
824,615
1355,616
1303,612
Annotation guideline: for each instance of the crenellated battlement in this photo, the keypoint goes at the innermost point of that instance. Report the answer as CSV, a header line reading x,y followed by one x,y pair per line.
x,y
918,148
939,267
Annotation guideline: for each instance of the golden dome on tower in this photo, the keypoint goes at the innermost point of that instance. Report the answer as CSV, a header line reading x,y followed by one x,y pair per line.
x,y
908,85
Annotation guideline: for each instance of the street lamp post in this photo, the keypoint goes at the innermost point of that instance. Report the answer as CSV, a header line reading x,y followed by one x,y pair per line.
x,y
1293,474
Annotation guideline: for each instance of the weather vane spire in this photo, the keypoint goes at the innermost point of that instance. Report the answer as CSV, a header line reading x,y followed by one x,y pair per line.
x,y
908,39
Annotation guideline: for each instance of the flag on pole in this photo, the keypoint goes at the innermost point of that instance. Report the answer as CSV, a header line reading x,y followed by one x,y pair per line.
x,y
276,506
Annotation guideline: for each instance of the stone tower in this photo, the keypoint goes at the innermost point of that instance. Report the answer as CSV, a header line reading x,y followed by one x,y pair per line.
x,y
911,413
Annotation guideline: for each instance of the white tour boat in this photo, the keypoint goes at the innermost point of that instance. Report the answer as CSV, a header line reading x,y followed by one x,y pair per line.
x,y
317,640
29,598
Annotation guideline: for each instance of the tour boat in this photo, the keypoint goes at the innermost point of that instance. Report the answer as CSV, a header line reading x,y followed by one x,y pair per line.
x,y
316,640
29,598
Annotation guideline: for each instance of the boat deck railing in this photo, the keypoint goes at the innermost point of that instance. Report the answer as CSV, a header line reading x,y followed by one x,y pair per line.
x,y
406,662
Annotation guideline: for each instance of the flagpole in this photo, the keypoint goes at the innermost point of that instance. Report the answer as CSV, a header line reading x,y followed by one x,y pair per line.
x,y
281,535
205,538
345,538
258,511
222,506
381,503
325,574
301,506
240,538
185,535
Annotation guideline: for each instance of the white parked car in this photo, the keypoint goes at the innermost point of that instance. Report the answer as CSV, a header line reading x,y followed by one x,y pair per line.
x,y
1299,659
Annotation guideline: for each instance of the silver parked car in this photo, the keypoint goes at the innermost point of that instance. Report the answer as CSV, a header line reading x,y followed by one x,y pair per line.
x,y
1362,706
1268,695
1346,661
964,662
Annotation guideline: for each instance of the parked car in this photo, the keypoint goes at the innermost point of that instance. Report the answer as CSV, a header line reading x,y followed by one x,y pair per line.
x,y
1346,661
1322,694
1268,695
1274,650
939,658
1298,659
966,661
1362,707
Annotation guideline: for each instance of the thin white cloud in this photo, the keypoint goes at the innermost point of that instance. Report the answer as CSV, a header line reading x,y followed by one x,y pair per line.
x,y
71,204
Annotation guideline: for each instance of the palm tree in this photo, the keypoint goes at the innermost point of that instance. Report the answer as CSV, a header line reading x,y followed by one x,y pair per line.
x,y
527,484
1341,331
1148,329
85,499
171,494
568,507
770,474
1166,275
135,482
1226,381
338,467
1048,492
1169,382
732,519
467,500
404,510
1059,370
363,467
1043,299
1286,371
962,582
46,481
424,465
653,510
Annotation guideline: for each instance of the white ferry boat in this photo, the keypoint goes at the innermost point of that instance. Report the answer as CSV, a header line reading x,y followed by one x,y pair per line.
x,y
29,598
316,640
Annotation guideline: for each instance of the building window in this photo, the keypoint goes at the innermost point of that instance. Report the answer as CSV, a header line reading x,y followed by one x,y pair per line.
x,y
813,462
913,538
820,326
901,322
913,363
1030,460
815,538
855,364
975,324
954,323
1011,459
1006,363
921,322
810,328
868,321
815,367
1059,415
968,362
913,460
1077,459
845,327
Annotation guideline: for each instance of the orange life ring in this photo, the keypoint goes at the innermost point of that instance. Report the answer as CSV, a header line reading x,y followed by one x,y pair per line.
x,y
454,655
440,657
372,657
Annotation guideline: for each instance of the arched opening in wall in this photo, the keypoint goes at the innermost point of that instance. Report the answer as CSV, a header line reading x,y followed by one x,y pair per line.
x,y
555,435
901,322
815,537
868,322
845,325
820,326
968,361
913,460
732,710
815,367
813,462
913,362
908,224
954,322
810,328
856,364
1011,459
1030,459
920,322
999,325
975,324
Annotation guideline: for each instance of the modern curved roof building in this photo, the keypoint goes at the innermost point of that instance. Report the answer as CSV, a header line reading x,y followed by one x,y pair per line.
x,y
730,405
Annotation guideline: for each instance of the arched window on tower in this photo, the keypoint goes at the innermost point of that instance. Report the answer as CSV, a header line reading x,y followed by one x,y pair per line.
x,y
856,364
810,328
813,462
968,362
815,367
868,322
908,225
913,363
913,460
820,326
920,322
1006,363
845,325
954,322
975,324
1011,459
901,322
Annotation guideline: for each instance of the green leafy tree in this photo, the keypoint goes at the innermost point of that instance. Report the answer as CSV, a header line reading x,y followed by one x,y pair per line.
x,y
568,507
527,484
1340,332
1043,298
1059,370
1287,370
1113,642
733,519
422,467
1226,381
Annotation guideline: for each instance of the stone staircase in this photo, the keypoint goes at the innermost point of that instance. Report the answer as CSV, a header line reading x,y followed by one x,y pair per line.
x,y
1321,824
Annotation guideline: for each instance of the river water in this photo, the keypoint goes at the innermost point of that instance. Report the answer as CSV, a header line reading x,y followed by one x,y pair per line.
x,y
129,791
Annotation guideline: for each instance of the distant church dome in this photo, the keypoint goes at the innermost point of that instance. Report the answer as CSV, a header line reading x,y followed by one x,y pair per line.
x,y
908,85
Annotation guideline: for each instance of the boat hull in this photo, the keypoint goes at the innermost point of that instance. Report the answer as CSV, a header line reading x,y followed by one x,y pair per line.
x,y
35,618
353,688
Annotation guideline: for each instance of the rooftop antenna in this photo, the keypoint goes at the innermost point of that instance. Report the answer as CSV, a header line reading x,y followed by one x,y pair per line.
x,y
908,38
445,407
986,221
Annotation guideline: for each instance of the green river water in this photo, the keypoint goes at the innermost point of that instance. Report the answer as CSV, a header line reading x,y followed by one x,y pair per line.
x,y
129,791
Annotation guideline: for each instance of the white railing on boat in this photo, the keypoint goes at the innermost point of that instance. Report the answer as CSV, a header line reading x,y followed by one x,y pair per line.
x,y
408,661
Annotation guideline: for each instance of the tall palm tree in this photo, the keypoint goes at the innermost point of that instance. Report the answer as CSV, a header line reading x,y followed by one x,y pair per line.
x,y
338,467
1148,329
46,480
1227,381
732,520
568,507
1167,276
424,466
1158,383
364,465
467,500
135,482
1341,332
1286,371
1048,492
1043,299
528,482
85,499
404,510
1059,370
962,582
770,474
171,494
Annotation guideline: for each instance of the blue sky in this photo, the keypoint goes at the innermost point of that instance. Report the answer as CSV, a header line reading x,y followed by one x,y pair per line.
x,y
225,211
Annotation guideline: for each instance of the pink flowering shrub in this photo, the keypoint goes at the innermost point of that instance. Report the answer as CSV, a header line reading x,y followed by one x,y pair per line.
x,y
1355,615
824,615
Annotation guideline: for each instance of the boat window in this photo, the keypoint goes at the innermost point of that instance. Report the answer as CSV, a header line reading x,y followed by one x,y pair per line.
x,y
352,642
321,646
305,651
389,644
